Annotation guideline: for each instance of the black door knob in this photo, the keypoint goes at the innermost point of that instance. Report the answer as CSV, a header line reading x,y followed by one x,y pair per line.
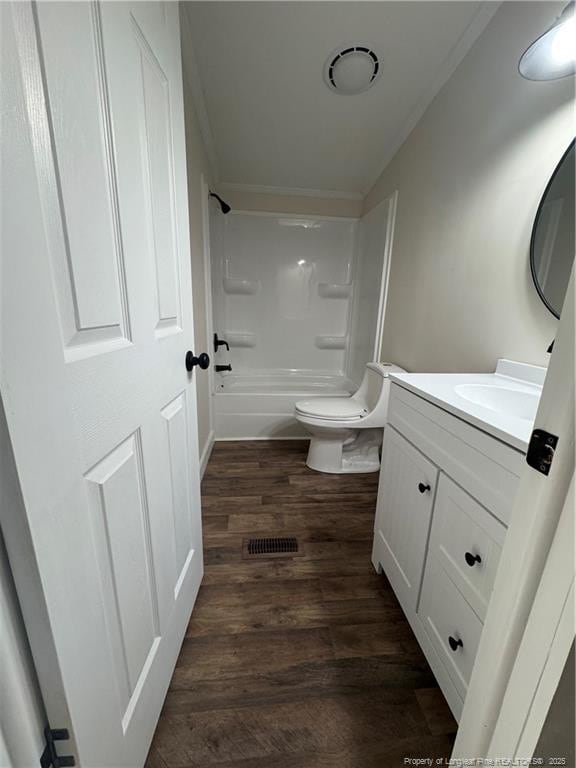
x,y
191,360
455,644
423,488
472,559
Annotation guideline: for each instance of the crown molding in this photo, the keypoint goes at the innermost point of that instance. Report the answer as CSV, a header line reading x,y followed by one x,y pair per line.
x,y
190,65
476,26
259,189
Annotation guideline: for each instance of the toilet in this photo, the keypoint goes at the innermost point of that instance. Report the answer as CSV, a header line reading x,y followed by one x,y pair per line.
x,y
346,432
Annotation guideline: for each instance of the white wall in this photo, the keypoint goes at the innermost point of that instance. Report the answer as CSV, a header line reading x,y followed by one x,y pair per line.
x,y
470,177
282,287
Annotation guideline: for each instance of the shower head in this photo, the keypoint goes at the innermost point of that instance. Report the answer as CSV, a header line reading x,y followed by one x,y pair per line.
x,y
224,207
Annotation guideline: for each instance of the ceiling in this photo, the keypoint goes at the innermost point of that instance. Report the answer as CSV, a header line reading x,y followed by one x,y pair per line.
x,y
267,117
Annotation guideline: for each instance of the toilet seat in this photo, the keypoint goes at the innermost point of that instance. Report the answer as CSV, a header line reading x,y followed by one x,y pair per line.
x,y
332,408
346,432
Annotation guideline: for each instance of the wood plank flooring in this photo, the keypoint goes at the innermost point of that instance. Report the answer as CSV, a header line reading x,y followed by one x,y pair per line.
x,y
297,663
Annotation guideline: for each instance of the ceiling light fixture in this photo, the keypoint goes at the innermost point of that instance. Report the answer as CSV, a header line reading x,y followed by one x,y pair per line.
x,y
553,54
352,69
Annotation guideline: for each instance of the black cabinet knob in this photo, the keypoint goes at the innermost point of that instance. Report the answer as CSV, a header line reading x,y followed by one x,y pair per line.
x,y
191,360
423,488
455,644
472,559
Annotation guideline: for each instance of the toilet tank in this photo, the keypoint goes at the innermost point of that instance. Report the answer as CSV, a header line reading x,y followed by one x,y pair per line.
x,y
375,387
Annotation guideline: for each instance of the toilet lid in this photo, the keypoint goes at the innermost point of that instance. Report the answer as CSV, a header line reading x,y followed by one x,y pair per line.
x,y
331,408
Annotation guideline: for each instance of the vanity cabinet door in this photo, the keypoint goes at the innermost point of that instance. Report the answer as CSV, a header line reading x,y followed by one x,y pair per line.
x,y
405,499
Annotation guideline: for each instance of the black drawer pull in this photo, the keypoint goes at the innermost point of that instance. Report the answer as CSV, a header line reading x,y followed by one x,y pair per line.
x,y
455,644
423,488
472,559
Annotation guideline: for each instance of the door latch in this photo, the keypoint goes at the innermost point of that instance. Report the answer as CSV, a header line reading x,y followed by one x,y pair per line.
x,y
541,450
50,758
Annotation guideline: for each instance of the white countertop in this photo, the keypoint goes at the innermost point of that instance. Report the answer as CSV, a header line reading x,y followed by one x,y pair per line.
x,y
515,381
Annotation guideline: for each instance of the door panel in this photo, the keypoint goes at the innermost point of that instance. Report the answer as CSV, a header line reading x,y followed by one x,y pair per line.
x,y
403,515
157,160
122,534
89,269
96,321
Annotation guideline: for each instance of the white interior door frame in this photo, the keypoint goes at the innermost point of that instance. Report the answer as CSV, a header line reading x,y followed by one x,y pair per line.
x,y
392,202
522,572
205,197
545,646
22,722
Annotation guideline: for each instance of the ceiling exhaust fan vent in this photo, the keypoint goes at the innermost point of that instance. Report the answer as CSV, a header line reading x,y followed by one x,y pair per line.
x,y
352,69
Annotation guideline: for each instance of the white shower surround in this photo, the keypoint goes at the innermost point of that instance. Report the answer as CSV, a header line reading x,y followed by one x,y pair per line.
x,y
281,287
286,290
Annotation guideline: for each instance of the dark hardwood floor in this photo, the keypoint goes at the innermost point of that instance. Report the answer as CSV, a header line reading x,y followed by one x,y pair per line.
x,y
298,663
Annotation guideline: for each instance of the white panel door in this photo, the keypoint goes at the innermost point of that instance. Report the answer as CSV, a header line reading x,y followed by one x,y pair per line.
x,y
96,322
404,510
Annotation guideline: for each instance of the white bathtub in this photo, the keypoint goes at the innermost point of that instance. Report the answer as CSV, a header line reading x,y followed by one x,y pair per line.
x,y
253,405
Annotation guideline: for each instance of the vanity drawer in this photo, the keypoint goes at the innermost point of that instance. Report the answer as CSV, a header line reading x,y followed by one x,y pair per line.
x,y
445,614
486,467
467,542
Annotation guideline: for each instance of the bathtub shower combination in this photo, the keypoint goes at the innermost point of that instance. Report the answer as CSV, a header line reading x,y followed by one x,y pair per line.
x,y
297,301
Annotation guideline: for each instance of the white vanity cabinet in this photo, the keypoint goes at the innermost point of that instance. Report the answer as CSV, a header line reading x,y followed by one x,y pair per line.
x,y
444,499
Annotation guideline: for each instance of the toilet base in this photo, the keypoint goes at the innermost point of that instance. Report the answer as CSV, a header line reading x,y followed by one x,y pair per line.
x,y
345,451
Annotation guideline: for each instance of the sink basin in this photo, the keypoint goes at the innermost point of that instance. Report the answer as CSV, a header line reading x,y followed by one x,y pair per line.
x,y
503,404
518,403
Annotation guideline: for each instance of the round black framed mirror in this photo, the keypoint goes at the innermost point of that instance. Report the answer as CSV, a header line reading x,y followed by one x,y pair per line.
x,y
552,242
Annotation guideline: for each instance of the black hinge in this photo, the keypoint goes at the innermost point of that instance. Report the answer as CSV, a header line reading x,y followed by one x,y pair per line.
x,y
49,758
541,450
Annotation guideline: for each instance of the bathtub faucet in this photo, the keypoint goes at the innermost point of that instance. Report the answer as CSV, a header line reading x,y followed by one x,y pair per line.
x,y
219,368
219,343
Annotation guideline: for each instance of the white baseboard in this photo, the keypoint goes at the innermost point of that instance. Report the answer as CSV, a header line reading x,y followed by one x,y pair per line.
x,y
206,454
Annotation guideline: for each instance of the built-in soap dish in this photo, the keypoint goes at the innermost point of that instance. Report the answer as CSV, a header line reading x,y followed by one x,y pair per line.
x,y
235,285
331,342
334,290
236,339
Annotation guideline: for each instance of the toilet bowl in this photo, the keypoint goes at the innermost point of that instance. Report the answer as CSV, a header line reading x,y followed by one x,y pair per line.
x,y
346,432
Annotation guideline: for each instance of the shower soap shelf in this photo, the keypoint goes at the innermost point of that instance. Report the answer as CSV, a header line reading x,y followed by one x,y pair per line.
x,y
331,342
334,290
236,285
